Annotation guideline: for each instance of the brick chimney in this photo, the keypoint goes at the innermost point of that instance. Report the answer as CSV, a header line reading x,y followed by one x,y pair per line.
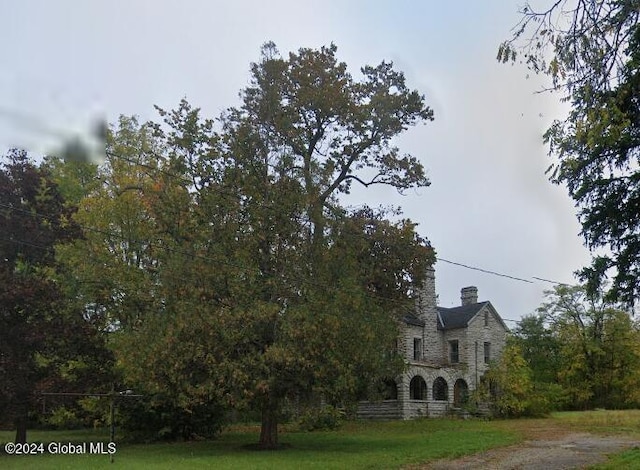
x,y
469,295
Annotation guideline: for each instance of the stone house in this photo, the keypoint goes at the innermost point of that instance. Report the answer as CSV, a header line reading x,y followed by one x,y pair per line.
x,y
447,351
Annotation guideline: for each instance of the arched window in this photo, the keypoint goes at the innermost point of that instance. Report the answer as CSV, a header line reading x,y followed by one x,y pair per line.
x,y
418,388
440,389
460,392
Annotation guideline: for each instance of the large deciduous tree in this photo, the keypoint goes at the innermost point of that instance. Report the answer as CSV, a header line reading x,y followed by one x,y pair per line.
x,y
327,129
263,287
591,51
43,342
540,347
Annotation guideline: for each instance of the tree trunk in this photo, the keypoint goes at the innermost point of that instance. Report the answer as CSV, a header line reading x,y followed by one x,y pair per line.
x,y
317,236
21,423
269,427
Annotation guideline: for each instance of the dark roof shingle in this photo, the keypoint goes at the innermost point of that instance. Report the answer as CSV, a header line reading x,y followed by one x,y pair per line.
x,y
411,319
458,317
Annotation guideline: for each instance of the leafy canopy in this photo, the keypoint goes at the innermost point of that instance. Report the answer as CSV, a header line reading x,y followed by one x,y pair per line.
x,y
223,257
591,51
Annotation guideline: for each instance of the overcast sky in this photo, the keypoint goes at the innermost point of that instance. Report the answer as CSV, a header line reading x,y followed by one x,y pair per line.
x,y
490,204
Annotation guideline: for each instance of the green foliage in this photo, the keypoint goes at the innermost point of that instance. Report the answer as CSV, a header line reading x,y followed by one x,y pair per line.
x,y
583,352
540,347
64,418
45,342
599,353
156,417
74,179
595,60
508,386
221,260
321,418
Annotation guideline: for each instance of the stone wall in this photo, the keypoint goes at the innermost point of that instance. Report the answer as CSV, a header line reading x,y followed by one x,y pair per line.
x,y
393,409
409,333
385,409
464,355
477,333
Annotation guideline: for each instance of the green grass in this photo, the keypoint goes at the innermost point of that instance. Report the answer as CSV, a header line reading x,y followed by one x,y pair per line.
x,y
628,460
357,445
602,421
374,445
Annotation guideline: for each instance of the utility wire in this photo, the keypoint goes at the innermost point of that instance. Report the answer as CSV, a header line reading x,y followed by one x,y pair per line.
x,y
270,207
494,273
175,277
551,282
172,275
38,125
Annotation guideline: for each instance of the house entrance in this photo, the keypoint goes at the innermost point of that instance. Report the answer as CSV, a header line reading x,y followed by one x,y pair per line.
x,y
460,393
440,389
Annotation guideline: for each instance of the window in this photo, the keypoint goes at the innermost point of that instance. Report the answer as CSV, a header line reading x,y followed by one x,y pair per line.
x,y
487,353
417,349
486,318
454,356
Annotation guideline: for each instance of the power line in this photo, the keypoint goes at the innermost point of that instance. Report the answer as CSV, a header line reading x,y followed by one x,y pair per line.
x,y
268,206
175,277
241,267
486,271
40,126
552,282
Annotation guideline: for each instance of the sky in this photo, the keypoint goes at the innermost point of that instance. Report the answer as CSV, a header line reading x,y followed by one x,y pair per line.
x,y
490,205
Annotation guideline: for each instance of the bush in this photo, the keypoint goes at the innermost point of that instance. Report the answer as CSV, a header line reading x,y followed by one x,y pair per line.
x,y
64,418
321,418
158,417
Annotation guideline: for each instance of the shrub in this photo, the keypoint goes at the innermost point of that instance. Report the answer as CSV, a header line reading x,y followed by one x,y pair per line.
x,y
158,417
64,418
321,418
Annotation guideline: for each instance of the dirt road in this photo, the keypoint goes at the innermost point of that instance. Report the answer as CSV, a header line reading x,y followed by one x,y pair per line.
x,y
574,450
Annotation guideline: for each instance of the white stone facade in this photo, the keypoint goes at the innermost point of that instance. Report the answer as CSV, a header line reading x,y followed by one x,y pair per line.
x,y
447,351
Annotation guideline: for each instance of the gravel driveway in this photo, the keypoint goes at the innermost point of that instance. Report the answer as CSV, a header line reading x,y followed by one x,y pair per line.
x,y
575,450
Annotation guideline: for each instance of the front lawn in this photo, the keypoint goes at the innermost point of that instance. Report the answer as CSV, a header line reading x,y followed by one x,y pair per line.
x,y
356,445
380,445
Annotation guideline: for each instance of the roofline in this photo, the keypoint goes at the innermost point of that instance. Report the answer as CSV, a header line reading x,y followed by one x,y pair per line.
x,y
504,325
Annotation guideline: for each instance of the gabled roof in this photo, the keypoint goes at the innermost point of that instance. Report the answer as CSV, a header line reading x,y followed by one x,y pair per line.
x,y
411,319
455,317
458,317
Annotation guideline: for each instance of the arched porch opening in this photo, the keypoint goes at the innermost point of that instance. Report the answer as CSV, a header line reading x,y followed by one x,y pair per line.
x,y
440,389
418,388
460,392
